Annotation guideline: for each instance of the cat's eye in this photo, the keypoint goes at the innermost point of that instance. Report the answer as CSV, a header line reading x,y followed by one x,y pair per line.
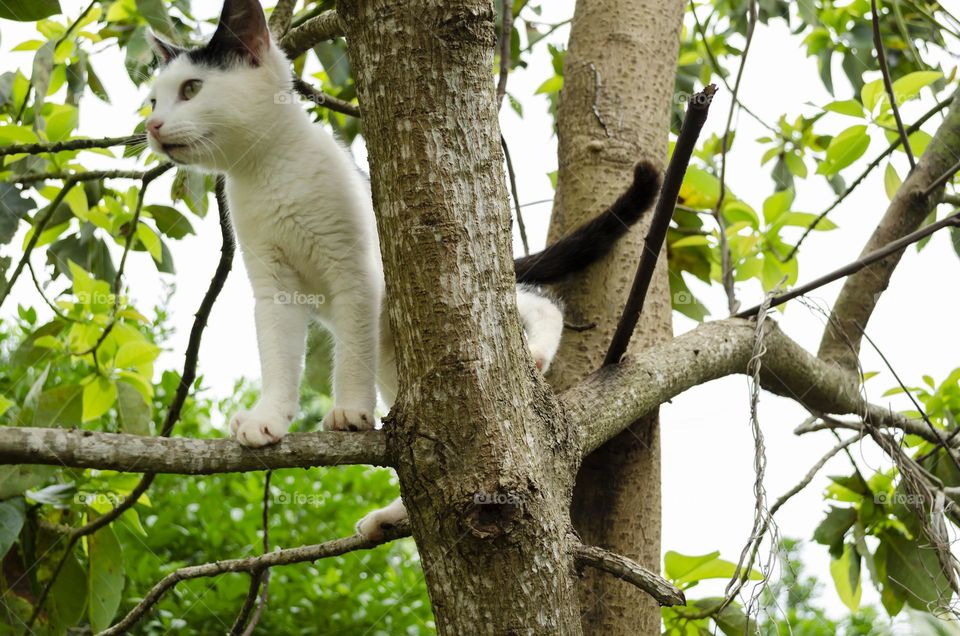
x,y
190,88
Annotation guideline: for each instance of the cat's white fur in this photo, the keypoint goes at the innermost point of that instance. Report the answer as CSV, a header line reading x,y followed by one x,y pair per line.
x,y
306,228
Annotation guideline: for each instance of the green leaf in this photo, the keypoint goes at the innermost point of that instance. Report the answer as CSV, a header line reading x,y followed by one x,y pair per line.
x,y
832,529
846,577
844,149
914,572
682,569
891,181
133,410
150,241
13,207
955,239
551,85
98,396
69,593
777,204
850,107
169,221
908,86
155,13
105,577
28,10
61,122
796,164
699,189
871,93
61,406
11,521
134,353
739,212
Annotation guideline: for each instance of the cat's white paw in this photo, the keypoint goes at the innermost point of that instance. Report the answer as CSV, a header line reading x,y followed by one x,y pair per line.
x,y
373,525
347,419
261,425
542,358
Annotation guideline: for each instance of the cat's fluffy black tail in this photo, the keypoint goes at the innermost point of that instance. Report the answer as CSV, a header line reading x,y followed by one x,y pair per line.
x,y
592,240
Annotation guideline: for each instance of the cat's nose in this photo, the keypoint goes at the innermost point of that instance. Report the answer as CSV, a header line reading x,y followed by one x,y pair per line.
x,y
153,125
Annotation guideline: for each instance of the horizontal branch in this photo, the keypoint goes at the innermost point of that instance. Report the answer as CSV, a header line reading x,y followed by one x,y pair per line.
x,y
614,397
71,144
631,572
253,565
137,453
325,26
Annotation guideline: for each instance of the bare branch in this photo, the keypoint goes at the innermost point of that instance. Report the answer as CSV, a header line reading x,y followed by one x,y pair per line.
x,y
888,83
322,99
851,268
516,200
910,206
184,456
93,175
697,111
303,554
630,571
298,40
71,144
258,578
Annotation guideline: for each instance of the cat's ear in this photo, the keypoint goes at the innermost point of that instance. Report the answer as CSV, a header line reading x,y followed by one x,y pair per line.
x,y
164,50
242,31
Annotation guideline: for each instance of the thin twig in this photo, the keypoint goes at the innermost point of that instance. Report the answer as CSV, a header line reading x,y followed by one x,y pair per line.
x,y
516,201
71,144
863,176
320,98
173,414
888,83
303,554
506,32
860,263
94,175
261,577
697,110
726,264
942,179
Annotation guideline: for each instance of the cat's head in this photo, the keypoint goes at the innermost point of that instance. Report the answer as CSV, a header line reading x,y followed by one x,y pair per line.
x,y
213,104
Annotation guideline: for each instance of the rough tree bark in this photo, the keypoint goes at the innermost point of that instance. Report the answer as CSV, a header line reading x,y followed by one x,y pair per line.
x,y
614,109
486,448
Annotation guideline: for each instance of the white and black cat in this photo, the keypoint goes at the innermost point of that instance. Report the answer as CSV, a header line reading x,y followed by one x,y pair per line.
x,y
306,227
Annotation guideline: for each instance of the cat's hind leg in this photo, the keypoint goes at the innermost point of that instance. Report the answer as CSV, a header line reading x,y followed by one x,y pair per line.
x,y
542,320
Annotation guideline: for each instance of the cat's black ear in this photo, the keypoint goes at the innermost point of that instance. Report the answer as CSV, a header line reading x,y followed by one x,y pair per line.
x,y
164,50
242,31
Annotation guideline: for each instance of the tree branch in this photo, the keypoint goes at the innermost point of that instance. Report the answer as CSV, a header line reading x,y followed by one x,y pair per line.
x,y
71,144
630,571
325,26
888,83
616,396
184,456
851,268
281,17
322,99
693,121
910,206
311,553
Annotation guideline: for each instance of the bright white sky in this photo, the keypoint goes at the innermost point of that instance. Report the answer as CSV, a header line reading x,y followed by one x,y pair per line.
x,y
707,444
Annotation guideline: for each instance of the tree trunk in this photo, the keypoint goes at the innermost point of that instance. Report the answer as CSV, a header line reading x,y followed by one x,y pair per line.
x,y
485,453
614,109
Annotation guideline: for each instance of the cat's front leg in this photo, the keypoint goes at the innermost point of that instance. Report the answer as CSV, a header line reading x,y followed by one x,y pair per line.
x,y
281,337
355,318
